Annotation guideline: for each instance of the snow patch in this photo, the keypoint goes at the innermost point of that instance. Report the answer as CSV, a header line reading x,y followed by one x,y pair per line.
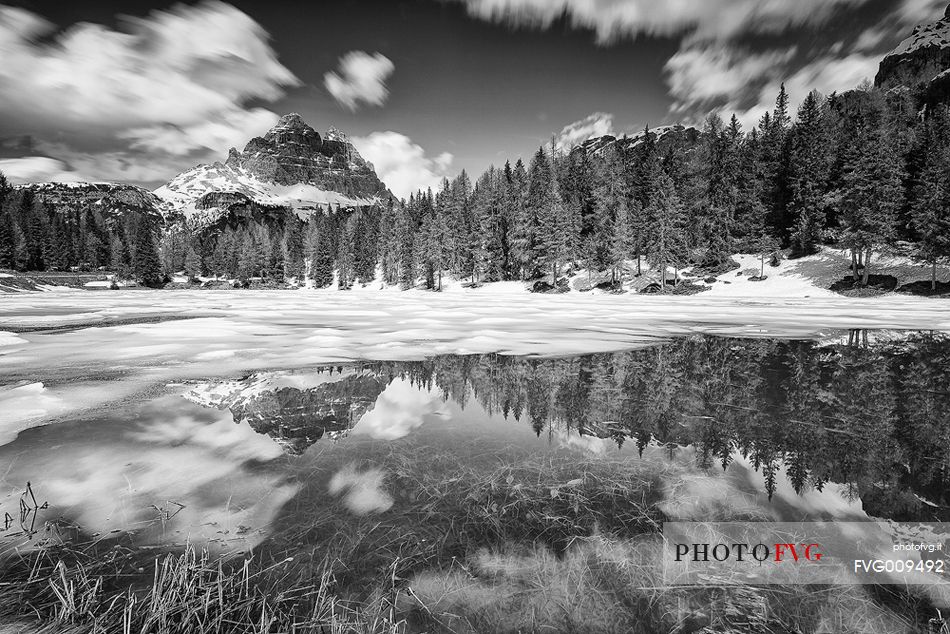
x,y
10,339
935,34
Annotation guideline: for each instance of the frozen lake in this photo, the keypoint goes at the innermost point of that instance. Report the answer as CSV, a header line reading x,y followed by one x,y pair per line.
x,y
75,351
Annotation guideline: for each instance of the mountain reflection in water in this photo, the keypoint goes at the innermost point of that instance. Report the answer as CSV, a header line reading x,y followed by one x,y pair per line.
x,y
870,412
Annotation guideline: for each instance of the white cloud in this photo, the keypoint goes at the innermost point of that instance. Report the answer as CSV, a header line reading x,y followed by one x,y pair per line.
x,y
709,72
361,78
719,78
402,164
37,169
872,39
592,126
707,20
919,11
231,128
118,165
362,491
180,67
884,36
699,74
169,84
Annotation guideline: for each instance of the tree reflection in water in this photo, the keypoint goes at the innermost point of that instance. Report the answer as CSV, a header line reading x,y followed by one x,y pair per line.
x,y
873,415
869,412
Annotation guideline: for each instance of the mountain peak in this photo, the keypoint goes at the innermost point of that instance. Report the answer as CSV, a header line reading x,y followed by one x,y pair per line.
x,y
289,166
291,120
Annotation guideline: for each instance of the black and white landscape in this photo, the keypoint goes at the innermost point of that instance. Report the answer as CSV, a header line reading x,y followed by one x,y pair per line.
x,y
426,316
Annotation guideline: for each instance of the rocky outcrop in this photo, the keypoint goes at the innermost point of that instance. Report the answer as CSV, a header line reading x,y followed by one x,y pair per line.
x,y
918,60
222,199
663,136
111,199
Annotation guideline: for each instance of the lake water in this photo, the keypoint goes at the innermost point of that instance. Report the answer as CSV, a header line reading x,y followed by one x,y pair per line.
x,y
794,430
399,467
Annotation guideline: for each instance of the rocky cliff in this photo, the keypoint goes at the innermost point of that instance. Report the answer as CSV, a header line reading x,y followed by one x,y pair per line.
x,y
919,60
662,136
292,153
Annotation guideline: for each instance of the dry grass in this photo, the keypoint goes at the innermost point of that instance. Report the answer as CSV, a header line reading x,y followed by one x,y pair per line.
x,y
598,585
68,589
539,543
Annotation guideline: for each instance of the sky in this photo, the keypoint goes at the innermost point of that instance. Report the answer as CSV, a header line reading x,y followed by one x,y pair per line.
x,y
134,91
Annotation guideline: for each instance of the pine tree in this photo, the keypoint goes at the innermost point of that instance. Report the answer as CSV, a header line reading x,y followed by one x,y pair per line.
x,y
263,250
521,236
462,225
506,222
714,201
7,241
346,257
541,209
610,202
751,219
808,175
93,241
37,239
5,189
559,220
643,178
622,241
578,181
405,233
291,246
57,246
489,208
322,252
871,195
223,258
148,266
388,244
248,262
119,258
774,134
21,250
930,210
192,263
438,240
665,245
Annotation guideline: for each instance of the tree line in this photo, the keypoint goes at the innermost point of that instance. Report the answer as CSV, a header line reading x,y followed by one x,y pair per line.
x,y
863,171
860,171
35,236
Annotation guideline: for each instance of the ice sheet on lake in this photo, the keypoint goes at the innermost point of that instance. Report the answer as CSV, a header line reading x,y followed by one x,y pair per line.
x,y
188,334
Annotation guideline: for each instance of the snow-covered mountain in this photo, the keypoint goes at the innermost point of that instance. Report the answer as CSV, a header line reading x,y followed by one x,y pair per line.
x,y
291,167
920,59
